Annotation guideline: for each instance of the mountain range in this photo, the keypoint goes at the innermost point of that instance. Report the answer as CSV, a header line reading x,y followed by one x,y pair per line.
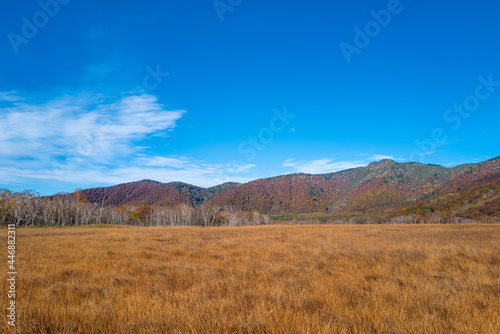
x,y
383,187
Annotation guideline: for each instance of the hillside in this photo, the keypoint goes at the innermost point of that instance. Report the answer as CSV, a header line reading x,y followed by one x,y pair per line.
x,y
474,193
384,184
384,187
147,192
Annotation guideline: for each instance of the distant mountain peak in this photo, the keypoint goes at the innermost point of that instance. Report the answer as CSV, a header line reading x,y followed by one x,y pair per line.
x,y
382,163
382,185
147,181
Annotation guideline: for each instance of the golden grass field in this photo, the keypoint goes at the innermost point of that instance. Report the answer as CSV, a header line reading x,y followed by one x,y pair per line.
x,y
266,279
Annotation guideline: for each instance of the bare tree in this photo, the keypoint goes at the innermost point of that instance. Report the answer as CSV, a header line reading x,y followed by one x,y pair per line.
x,y
28,209
208,214
49,213
186,214
232,215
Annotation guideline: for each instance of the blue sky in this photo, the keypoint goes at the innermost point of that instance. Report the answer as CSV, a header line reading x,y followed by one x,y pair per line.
x,y
94,93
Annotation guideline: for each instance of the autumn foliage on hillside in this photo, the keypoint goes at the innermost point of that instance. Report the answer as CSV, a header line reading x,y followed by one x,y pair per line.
x,y
474,194
147,192
382,190
378,188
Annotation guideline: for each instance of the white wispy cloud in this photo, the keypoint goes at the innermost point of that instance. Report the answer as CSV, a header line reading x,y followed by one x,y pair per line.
x,y
427,153
321,166
197,174
11,96
83,126
181,162
383,157
90,140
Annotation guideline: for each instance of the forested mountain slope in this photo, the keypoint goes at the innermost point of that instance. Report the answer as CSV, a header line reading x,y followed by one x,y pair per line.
x,y
384,187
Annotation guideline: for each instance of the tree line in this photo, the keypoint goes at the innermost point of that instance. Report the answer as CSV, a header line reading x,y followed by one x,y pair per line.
x,y
30,209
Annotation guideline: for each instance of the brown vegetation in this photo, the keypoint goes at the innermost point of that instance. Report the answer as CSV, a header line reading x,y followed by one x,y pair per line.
x,y
384,189
267,279
29,209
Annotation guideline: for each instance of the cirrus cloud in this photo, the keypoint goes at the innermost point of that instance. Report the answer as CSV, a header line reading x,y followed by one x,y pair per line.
x,y
91,139
321,166
81,127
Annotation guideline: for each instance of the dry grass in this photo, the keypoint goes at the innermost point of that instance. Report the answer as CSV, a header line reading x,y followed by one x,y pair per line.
x,y
270,279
